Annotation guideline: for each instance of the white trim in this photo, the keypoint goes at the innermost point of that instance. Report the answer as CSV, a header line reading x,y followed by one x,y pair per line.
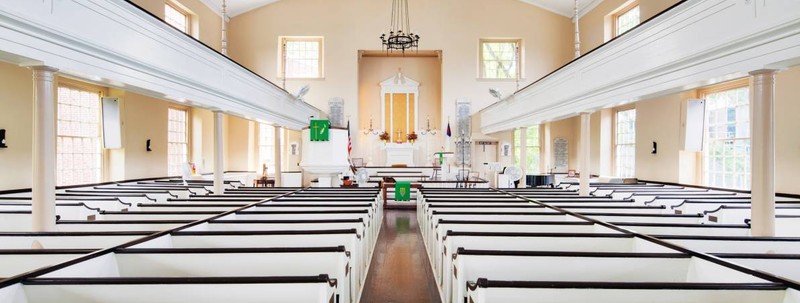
x,y
184,71
399,84
692,45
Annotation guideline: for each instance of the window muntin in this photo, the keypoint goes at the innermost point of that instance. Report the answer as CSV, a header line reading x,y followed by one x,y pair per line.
x,y
302,57
533,149
726,155
626,20
499,59
176,17
177,140
78,150
625,141
266,147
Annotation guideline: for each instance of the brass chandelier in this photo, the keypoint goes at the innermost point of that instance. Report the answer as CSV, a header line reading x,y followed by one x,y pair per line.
x,y
400,36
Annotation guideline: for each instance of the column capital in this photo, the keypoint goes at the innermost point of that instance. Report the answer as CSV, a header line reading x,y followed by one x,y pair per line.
x,y
43,68
763,72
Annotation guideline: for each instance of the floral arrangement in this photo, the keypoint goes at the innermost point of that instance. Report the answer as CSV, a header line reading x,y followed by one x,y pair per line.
x,y
384,136
412,137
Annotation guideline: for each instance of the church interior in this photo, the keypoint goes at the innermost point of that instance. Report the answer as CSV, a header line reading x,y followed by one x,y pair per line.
x,y
442,151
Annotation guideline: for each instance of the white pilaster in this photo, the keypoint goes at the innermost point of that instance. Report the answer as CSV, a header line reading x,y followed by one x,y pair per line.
x,y
44,149
219,184
278,160
523,154
584,157
763,153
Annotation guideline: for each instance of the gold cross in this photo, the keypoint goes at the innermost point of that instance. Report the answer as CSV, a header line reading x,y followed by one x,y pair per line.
x,y
316,127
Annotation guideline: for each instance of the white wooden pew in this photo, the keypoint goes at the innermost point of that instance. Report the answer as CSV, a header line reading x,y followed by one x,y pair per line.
x,y
317,289
470,265
219,262
284,238
19,261
491,291
66,240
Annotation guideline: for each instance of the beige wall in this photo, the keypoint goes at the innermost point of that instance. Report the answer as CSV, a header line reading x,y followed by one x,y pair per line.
x,y
660,119
144,118
206,24
16,116
595,24
352,25
372,71
240,150
787,145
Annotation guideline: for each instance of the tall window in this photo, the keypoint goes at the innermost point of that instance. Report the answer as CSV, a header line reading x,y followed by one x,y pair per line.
x,y
626,19
176,17
177,140
302,57
500,59
78,151
726,156
626,143
266,147
533,148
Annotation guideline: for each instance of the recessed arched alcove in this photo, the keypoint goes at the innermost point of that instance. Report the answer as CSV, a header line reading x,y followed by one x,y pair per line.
x,y
410,83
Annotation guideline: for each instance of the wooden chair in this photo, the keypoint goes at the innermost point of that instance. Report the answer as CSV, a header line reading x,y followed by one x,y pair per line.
x,y
264,180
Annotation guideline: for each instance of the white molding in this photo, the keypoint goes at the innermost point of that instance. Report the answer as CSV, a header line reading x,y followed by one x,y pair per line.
x,y
568,10
236,8
115,43
697,43
399,84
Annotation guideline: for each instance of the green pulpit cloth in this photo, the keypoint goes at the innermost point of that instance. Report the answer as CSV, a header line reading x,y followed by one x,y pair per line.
x,y
402,191
320,130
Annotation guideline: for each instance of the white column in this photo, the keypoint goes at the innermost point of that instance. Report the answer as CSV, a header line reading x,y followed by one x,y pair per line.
x,y
278,159
763,153
584,158
219,184
547,149
44,149
606,140
523,154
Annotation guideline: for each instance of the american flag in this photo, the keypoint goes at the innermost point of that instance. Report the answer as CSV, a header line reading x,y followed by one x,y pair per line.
x,y
349,139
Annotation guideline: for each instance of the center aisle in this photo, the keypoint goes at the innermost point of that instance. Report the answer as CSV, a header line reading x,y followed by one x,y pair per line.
x,y
400,271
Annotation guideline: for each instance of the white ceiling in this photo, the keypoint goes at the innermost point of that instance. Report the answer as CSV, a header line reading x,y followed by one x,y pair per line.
x,y
561,7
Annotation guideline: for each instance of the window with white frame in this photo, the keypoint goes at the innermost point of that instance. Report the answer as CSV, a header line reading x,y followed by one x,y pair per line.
x,y
78,150
266,147
301,57
176,17
726,155
626,19
177,140
625,142
500,58
533,149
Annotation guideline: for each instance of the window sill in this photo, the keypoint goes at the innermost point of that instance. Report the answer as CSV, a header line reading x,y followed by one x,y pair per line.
x,y
305,79
499,80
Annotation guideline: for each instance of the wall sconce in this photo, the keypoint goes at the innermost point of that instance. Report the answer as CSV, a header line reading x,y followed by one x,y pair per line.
x,y
148,146
3,138
655,148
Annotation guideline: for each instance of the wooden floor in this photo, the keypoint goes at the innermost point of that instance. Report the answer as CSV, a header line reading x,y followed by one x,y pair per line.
x,y
400,271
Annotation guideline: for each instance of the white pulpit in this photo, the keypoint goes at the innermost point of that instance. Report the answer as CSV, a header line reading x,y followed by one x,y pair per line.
x,y
325,160
399,153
